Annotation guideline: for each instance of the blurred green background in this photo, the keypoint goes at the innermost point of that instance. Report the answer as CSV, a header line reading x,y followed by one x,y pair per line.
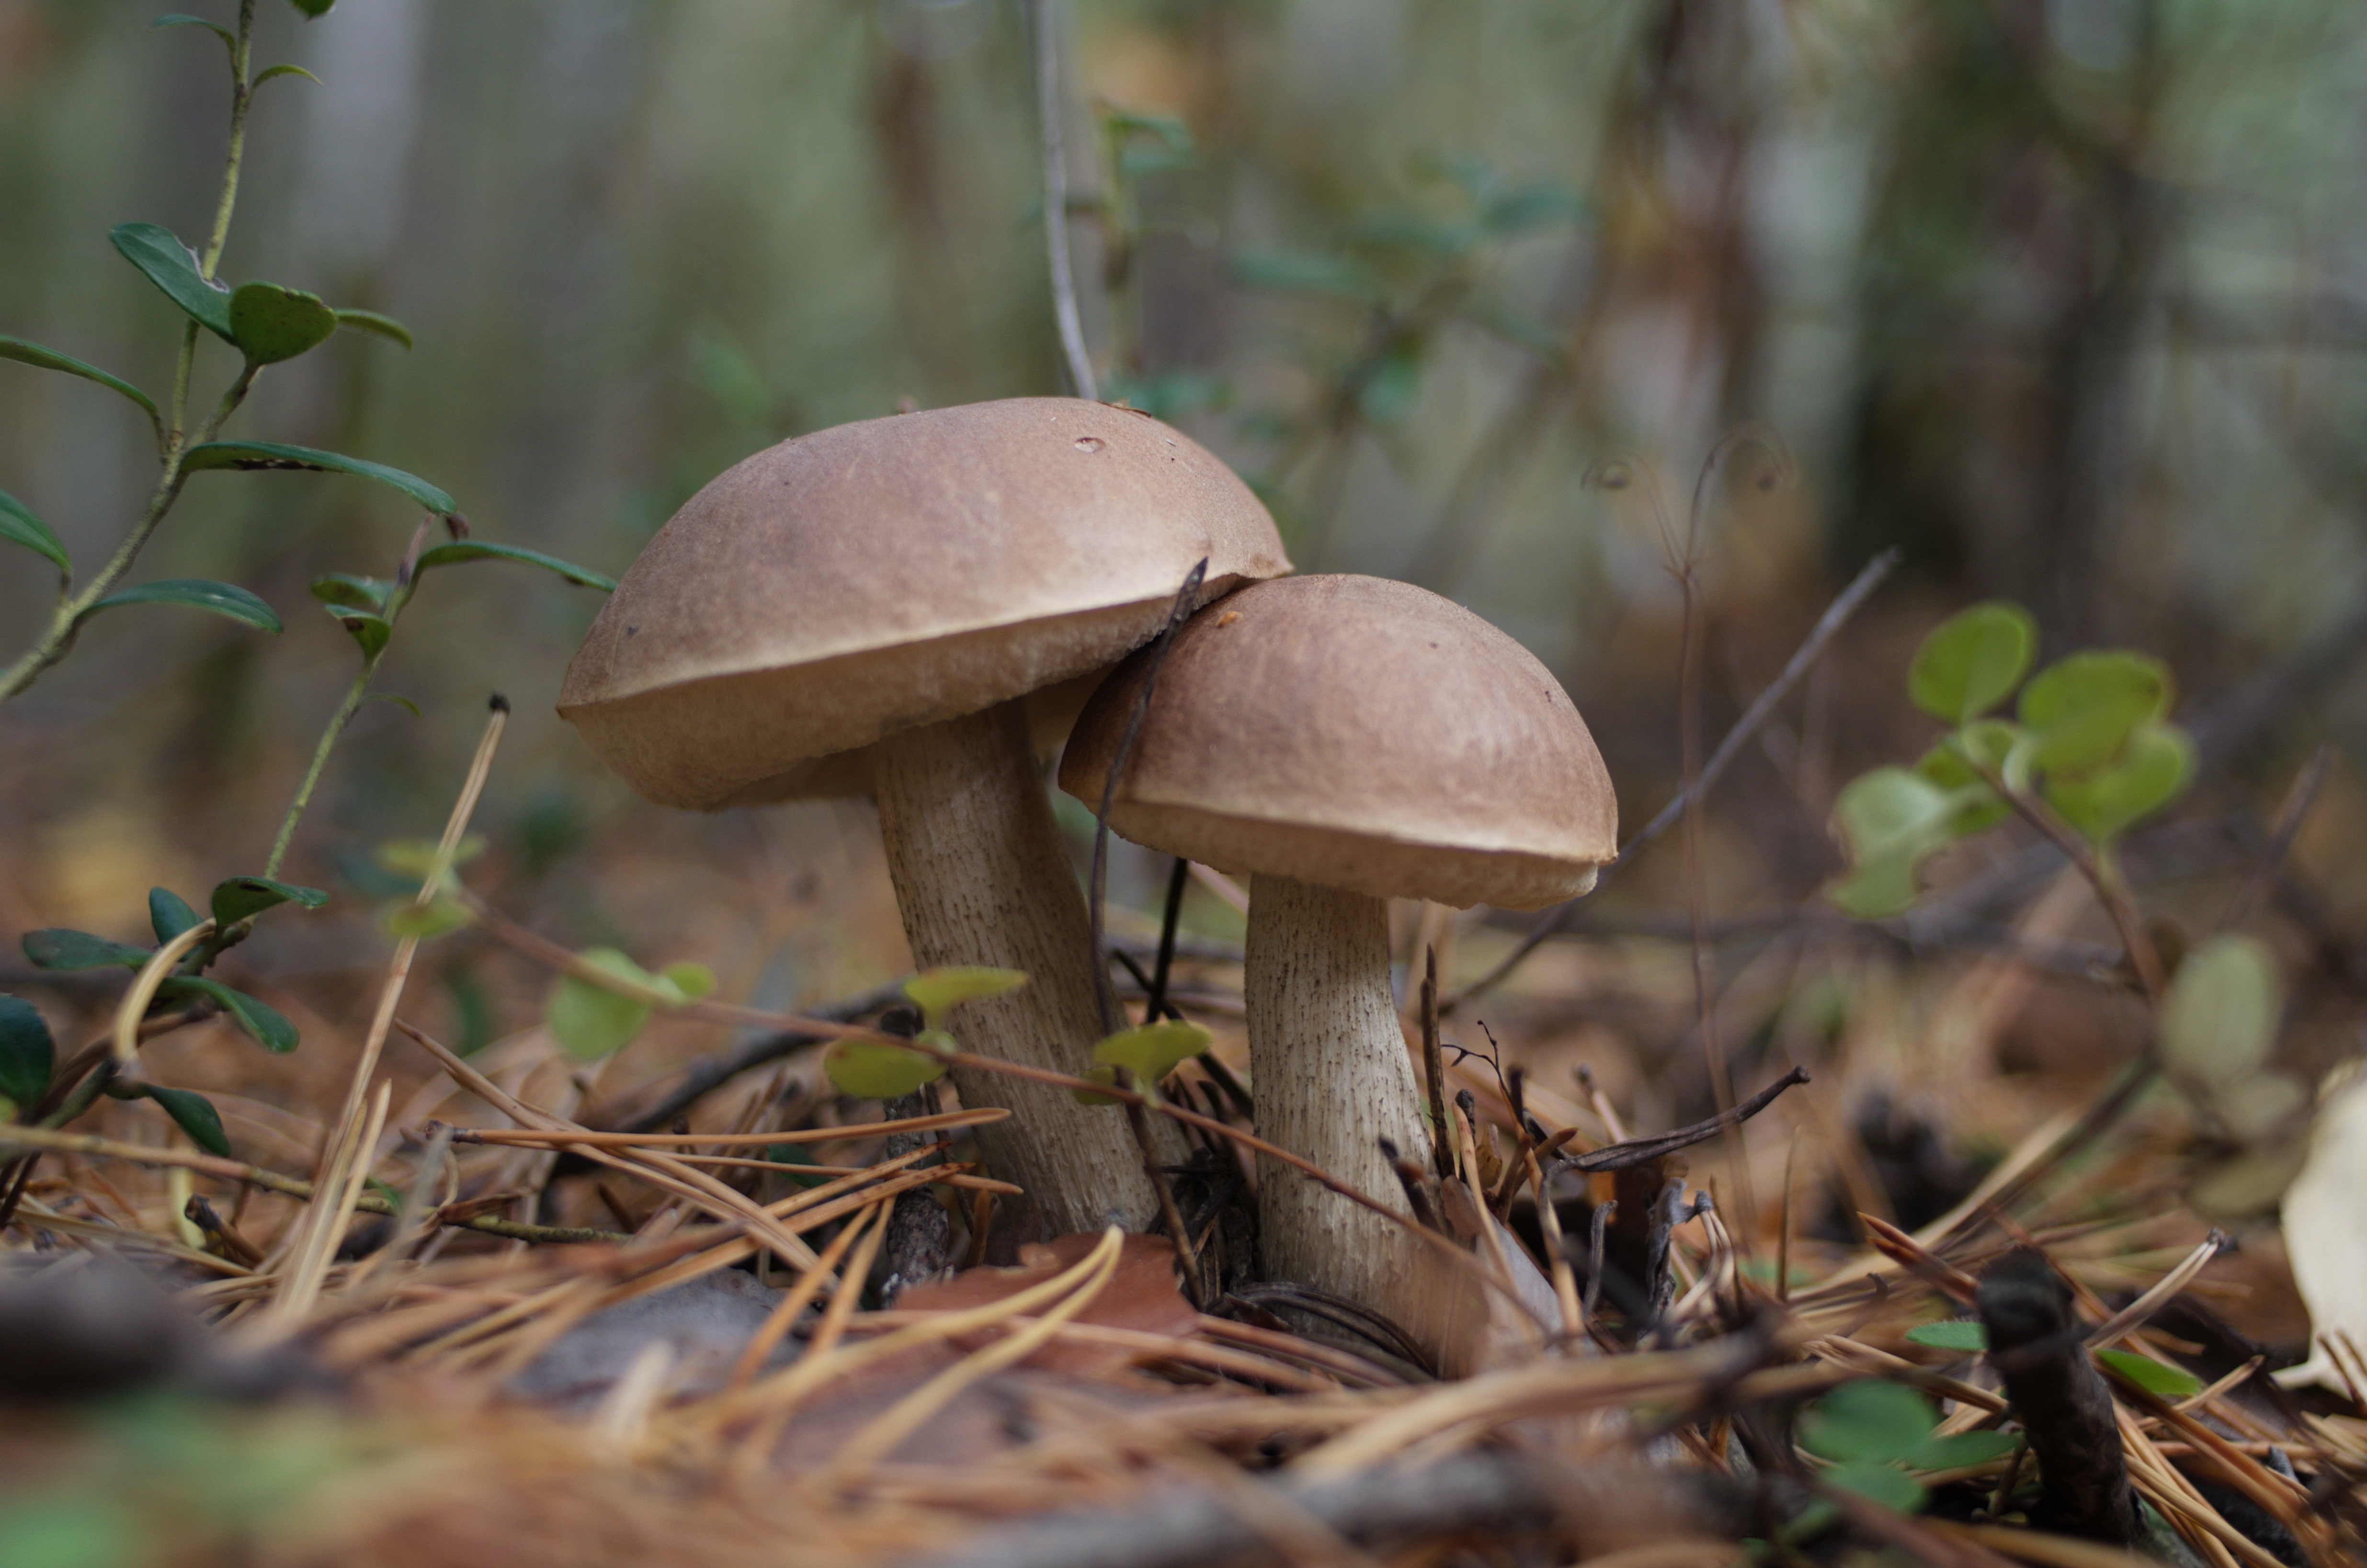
x,y
2061,297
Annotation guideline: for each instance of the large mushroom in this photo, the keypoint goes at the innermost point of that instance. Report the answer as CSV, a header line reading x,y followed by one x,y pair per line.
x,y
1345,741
860,610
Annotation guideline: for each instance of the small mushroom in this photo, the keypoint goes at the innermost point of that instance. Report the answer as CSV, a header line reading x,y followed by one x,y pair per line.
x,y
860,610
1345,741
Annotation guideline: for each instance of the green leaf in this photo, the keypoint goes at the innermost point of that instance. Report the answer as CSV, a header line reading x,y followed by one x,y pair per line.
x,y
414,858
692,981
2256,1107
370,633
345,588
58,948
937,991
172,267
51,359
590,1020
1960,1451
2151,771
2219,1017
194,1113
269,1027
1972,661
1102,1074
371,321
257,454
244,896
313,9
872,1069
2249,1184
1151,1051
2084,709
1960,1333
27,1055
19,527
1989,741
269,72
183,19
271,322
2154,1376
1870,1420
407,918
168,913
221,598
477,549
1893,821
1883,1483
395,697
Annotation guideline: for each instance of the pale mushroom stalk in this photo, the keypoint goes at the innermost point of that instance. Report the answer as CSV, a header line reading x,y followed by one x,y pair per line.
x,y
1345,741
1332,1078
981,877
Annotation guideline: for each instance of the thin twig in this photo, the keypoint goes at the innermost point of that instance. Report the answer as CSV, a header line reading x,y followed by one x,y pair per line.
x,y
1820,636
1049,110
2290,817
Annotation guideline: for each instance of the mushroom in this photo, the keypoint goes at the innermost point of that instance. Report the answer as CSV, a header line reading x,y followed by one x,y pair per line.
x,y
1345,741
860,610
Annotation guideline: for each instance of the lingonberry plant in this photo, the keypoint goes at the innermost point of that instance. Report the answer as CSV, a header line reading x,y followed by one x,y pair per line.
x,y
265,323
2089,753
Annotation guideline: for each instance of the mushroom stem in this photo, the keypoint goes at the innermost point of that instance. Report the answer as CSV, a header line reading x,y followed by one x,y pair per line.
x,y
1332,1078
981,877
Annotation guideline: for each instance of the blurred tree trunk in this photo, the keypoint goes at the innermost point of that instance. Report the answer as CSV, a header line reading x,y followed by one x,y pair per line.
x,y
2007,264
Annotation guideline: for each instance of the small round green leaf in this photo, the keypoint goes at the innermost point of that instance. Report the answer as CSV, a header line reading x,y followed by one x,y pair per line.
x,y
370,633
2257,1107
273,455
1972,661
234,900
408,917
2151,771
1151,1051
18,526
1872,1420
1883,1483
591,1021
935,991
168,913
1963,1335
1100,1075
1960,1451
371,321
356,592
194,1113
27,1055
693,981
1949,765
265,1023
2154,1376
414,858
872,1069
2219,1017
1893,821
313,9
2249,1184
271,322
478,549
221,598
2084,709
57,948
172,267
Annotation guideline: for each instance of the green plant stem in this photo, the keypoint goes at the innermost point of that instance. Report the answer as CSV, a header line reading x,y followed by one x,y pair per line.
x,y
66,620
355,694
2111,892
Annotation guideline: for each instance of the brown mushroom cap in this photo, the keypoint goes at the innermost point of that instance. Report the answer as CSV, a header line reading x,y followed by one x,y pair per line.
x,y
1360,734
897,572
